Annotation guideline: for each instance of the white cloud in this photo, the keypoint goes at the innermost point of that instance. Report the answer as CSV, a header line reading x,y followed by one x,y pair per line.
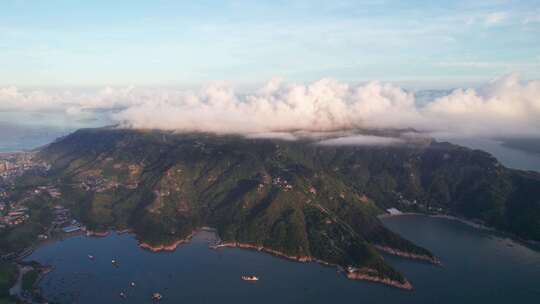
x,y
323,105
362,140
507,106
272,135
495,18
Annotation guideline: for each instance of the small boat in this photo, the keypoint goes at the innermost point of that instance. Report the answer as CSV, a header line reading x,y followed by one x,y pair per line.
x,y
123,295
250,278
156,296
132,284
91,257
114,262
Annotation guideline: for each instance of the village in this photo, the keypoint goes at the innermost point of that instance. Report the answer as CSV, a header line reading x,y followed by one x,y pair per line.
x,y
16,213
13,165
16,208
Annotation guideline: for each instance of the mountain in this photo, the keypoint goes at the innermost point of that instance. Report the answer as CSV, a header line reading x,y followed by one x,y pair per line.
x,y
297,199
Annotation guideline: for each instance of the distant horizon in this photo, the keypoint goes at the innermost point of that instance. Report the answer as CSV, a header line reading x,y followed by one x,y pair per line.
x,y
412,85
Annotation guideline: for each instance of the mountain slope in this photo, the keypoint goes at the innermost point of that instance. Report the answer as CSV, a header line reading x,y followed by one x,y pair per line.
x,y
292,198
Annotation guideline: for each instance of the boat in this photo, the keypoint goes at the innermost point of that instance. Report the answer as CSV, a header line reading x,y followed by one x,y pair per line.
x,y
91,257
114,262
123,295
132,284
250,278
156,296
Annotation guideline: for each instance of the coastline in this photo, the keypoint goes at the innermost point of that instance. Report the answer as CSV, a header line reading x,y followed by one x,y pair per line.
x,y
421,257
97,233
364,274
164,248
467,222
462,220
34,295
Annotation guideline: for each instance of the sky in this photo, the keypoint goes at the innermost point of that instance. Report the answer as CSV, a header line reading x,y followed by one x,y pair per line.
x,y
415,44
285,69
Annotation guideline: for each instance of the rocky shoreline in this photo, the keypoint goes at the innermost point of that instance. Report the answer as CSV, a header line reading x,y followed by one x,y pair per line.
x,y
368,274
165,248
97,233
34,295
404,254
365,274
303,259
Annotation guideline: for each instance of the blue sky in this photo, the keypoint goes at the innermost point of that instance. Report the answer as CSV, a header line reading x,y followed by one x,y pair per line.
x,y
415,43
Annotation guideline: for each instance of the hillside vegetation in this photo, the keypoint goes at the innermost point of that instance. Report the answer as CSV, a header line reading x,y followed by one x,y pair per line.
x,y
294,197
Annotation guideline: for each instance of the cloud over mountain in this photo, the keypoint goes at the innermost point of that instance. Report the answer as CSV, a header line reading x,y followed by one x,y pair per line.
x,y
506,106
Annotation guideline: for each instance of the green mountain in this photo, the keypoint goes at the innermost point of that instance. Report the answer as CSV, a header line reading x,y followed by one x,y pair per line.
x,y
292,198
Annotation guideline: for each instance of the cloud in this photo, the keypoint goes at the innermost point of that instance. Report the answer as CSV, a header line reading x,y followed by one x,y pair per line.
x,y
506,106
362,140
495,18
323,105
272,135
11,98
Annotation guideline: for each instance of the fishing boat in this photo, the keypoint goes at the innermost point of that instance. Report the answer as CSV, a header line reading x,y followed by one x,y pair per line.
x,y
250,278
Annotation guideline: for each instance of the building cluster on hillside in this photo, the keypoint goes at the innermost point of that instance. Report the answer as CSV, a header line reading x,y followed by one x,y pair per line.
x,y
415,204
64,221
4,194
409,203
282,183
13,217
97,184
15,164
51,190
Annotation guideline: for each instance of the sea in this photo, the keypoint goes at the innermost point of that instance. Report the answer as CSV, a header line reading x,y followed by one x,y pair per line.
x,y
478,266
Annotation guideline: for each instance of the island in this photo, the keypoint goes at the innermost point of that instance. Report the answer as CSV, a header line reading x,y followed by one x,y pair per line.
x,y
296,199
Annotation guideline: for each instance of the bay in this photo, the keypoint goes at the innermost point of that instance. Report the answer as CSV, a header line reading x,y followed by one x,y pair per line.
x,y
478,267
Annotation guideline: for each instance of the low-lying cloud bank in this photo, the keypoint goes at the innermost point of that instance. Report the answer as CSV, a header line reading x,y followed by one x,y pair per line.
x,y
362,140
504,107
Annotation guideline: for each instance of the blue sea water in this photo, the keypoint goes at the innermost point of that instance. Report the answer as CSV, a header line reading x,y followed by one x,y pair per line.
x,y
478,267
